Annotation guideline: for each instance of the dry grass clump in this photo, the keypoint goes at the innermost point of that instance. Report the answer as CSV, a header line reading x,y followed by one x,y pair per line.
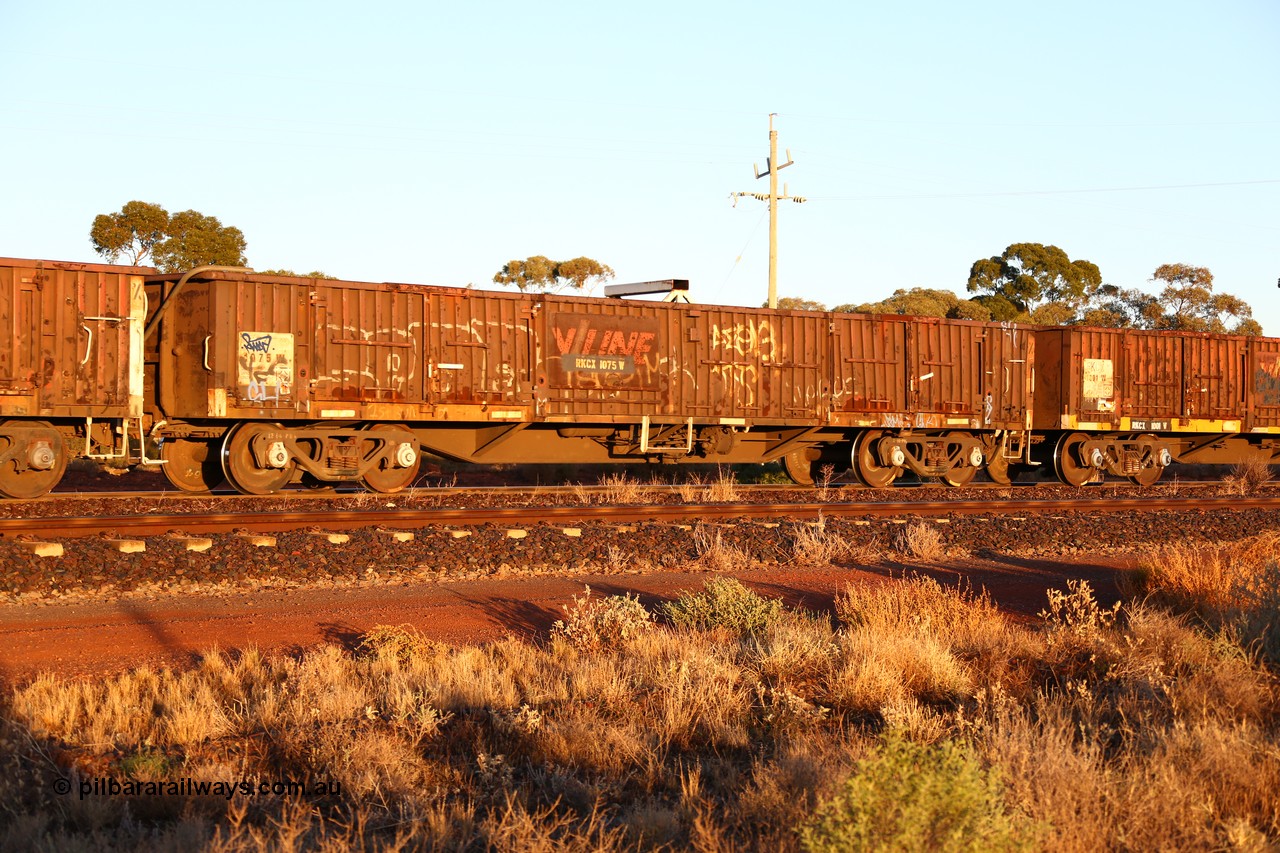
x,y
1248,476
1233,586
822,483
915,641
697,489
715,552
916,605
400,642
920,719
1204,577
921,541
820,544
723,489
602,623
617,489
692,489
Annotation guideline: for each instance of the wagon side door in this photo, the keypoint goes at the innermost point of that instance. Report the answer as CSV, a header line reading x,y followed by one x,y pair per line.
x,y
1213,380
1151,380
868,356
944,367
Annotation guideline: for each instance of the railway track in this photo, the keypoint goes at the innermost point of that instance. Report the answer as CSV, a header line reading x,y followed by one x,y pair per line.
x,y
71,527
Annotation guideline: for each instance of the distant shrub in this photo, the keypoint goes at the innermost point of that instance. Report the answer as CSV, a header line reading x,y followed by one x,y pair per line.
x,y
912,797
602,623
1077,614
724,603
395,642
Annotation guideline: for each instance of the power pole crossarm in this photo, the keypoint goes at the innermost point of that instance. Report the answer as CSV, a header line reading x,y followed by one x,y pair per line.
x,y
773,198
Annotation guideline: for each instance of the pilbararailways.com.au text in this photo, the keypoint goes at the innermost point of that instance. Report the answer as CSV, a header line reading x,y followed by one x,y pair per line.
x,y
195,788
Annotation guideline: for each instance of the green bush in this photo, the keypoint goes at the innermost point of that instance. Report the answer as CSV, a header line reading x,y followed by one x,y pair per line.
x,y
909,797
724,603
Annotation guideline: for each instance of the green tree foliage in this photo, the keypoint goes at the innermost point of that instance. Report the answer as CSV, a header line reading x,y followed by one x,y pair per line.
x,y
1114,308
133,232
543,274
797,303
312,274
1187,302
178,242
195,239
922,302
1026,276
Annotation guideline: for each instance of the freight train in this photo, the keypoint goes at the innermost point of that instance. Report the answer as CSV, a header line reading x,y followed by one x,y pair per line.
x,y
262,380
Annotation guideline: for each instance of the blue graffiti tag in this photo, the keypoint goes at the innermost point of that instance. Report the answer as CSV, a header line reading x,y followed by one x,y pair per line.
x,y
261,343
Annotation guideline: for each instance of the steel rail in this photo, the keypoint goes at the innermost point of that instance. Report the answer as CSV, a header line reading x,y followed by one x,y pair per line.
x,y
264,522
593,489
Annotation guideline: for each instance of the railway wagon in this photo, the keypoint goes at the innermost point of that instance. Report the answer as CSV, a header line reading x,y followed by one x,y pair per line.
x,y
71,379
267,379
1130,403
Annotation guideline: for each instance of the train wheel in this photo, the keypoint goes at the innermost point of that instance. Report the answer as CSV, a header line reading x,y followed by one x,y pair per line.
x,y
964,471
387,478
191,465
1067,464
27,483
799,467
1149,475
241,468
998,469
866,462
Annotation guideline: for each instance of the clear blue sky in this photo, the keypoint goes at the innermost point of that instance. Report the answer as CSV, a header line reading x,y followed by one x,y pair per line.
x,y
431,142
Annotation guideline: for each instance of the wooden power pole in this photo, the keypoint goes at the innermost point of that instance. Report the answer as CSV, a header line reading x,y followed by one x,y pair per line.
x,y
773,198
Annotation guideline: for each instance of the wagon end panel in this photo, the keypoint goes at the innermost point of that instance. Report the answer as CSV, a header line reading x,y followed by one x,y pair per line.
x,y
1263,380
21,311
1093,370
109,373
260,350
73,343
1048,389
1008,356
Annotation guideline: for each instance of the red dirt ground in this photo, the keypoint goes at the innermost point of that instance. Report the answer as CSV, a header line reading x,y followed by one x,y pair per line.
x,y
94,639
